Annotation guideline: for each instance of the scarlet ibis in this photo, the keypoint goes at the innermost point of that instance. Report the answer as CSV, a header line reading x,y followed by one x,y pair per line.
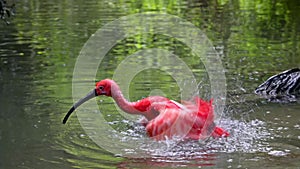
x,y
164,118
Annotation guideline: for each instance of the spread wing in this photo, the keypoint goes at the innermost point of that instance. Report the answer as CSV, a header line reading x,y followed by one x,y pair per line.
x,y
191,120
169,123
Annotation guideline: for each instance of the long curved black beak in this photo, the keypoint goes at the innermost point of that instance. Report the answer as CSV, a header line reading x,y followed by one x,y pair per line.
x,y
89,96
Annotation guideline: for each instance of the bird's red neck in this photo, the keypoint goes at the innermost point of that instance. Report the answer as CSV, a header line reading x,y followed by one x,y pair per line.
x,y
125,105
141,107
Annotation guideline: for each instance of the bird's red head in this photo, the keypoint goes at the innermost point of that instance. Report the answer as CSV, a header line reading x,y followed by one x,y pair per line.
x,y
103,87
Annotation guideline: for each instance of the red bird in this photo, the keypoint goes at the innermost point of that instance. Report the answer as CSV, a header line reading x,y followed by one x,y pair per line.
x,y
164,118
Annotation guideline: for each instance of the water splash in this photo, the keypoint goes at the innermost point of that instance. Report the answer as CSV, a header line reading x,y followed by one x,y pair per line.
x,y
247,137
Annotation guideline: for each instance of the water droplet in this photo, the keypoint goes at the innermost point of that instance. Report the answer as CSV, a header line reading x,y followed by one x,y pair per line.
x,y
277,153
230,160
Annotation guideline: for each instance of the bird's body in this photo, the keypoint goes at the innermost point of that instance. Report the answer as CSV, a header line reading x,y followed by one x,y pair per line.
x,y
284,83
164,118
284,86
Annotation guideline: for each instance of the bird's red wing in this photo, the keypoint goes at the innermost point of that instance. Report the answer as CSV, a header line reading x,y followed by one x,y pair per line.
x,y
149,107
159,128
142,105
205,111
201,109
192,120
219,132
204,124
171,121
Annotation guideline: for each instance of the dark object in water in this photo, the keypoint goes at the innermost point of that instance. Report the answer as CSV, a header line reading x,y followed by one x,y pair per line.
x,y
284,86
6,11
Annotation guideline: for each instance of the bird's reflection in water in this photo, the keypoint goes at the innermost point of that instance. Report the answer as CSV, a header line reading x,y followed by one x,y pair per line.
x,y
184,161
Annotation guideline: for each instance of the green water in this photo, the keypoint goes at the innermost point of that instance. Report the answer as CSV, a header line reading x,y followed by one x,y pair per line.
x,y
38,52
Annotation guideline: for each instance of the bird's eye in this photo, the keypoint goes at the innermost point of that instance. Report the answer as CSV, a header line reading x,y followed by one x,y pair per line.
x,y
101,87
